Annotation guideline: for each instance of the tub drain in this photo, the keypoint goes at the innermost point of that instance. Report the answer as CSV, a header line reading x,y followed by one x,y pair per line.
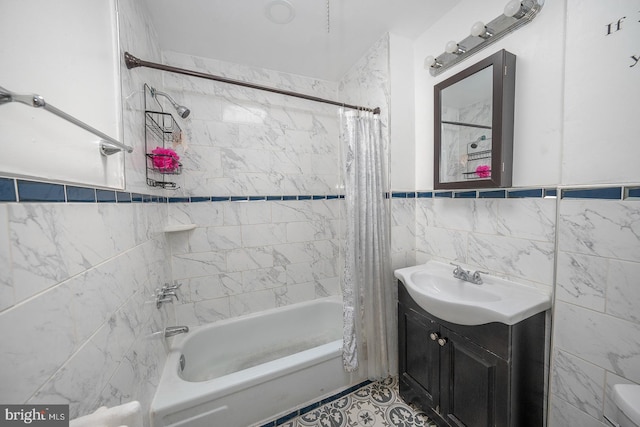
x,y
182,362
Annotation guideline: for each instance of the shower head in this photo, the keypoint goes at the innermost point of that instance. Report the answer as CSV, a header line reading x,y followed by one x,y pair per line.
x,y
181,109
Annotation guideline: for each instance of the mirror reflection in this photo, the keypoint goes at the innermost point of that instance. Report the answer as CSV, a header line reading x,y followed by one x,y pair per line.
x,y
466,111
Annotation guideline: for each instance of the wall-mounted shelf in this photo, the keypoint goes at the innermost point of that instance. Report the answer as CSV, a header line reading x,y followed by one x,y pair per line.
x,y
179,227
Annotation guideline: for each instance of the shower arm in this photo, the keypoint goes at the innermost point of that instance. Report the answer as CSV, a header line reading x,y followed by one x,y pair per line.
x,y
107,147
133,62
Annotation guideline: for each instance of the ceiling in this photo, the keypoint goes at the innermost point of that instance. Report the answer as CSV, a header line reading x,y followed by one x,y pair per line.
x,y
240,31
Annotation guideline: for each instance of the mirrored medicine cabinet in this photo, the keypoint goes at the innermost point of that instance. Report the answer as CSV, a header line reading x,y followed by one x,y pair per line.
x,y
473,127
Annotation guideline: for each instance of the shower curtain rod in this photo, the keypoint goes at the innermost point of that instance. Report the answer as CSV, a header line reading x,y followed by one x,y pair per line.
x,y
133,62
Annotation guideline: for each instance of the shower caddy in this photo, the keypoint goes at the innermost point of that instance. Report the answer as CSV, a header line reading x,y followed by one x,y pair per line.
x,y
161,131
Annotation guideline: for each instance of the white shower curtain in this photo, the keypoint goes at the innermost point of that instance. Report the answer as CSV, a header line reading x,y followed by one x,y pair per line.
x,y
369,292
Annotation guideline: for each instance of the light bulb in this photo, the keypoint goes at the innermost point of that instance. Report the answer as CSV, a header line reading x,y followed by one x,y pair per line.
x,y
453,47
480,30
514,9
431,62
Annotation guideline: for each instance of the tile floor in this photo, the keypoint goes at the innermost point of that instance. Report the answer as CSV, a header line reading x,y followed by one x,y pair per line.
x,y
377,404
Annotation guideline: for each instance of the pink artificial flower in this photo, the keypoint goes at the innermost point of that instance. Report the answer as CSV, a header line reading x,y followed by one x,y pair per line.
x,y
165,159
483,171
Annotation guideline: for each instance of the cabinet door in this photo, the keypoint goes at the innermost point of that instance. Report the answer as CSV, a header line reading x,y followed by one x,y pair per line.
x,y
419,359
474,384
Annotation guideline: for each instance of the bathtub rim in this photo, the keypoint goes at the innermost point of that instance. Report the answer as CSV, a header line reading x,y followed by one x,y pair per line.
x,y
179,341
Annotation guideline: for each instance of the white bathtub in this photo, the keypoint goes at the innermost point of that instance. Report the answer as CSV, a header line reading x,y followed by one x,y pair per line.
x,y
248,370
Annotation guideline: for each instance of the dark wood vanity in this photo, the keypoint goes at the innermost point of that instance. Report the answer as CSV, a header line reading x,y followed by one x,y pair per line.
x,y
473,376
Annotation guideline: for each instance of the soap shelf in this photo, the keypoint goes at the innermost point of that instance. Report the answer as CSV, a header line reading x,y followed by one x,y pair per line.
x,y
179,227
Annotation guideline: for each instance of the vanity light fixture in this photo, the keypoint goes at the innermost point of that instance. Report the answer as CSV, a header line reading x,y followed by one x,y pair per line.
x,y
516,14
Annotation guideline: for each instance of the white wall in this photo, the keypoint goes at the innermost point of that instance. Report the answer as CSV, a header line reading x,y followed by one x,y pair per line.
x,y
602,93
47,50
402,129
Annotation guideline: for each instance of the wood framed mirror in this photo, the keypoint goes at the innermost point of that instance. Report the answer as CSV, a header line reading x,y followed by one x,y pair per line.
x,y
473,125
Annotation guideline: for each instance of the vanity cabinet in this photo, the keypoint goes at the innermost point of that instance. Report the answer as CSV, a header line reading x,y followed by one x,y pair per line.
x,y
473,376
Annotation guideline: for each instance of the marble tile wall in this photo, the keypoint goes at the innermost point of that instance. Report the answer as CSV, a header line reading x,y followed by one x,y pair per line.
x,y
254,255
249,256
511,238
597,326
403,232
246,142
76,306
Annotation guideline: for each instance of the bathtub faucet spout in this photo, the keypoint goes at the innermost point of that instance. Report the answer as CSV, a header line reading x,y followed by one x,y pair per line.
x,y
170,331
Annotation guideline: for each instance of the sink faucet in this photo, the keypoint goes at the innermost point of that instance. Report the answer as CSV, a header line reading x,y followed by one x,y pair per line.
x,y
170,331
466,275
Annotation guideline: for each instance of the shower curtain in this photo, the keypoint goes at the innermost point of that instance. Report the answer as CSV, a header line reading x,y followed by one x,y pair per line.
x,y
369,292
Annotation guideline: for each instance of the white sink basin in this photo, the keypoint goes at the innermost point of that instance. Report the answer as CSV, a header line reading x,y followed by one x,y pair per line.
x,y
434,288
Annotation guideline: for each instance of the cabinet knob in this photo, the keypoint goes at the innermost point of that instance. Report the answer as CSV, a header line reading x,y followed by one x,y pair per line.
x,y
434,336
442,342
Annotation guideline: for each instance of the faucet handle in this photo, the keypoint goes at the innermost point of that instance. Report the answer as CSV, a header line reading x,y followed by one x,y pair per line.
x,y
170,294
173,287
477,279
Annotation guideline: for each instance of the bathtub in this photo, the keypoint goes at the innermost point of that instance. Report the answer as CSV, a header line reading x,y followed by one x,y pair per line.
x,y
252,369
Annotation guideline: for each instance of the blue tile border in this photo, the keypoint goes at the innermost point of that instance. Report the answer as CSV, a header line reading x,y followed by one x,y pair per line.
x,y
123,197
179,199
19,190
106,196
316,405
33,191
199,199
7,190
633,193
526,193
81,194
444,194
493,194
606,193
465,194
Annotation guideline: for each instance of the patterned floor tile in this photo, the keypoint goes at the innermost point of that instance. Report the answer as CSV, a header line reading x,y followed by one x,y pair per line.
x,y
375,405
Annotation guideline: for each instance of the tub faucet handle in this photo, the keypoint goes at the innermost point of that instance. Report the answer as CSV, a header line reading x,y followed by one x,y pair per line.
x,y
170,294
173,287
163,295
